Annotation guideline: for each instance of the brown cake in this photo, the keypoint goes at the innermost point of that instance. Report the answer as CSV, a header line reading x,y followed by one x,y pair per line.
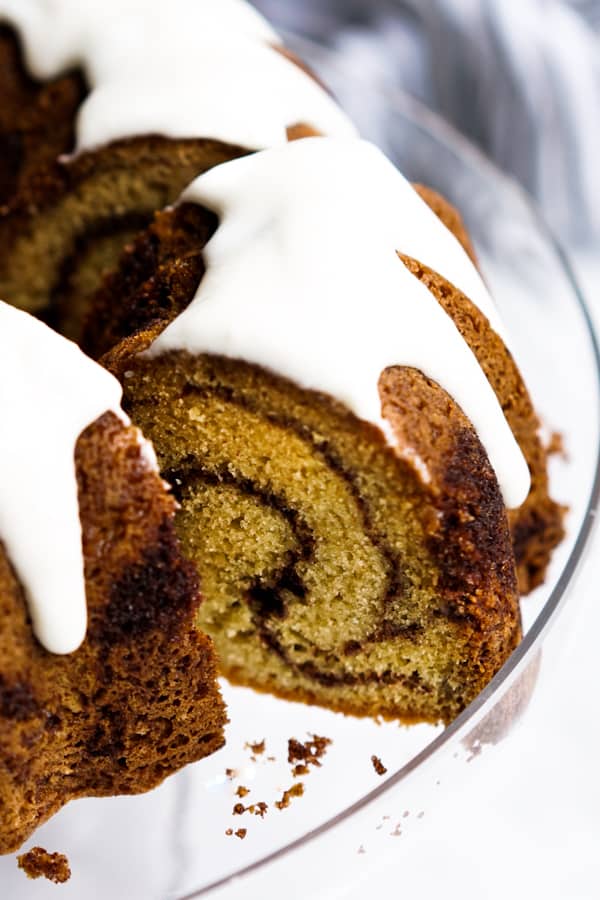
x,y
357,557
138,699
276,483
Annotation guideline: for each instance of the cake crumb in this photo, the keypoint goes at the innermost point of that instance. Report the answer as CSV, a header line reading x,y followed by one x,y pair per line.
x,y
242,791
397,831
241,833
556,445
230,773
296,790
300,769
229,832
38,863
255,809
378,765
308,753
258,747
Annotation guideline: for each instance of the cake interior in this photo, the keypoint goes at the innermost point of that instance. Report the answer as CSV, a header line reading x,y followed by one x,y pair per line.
x,y
317,548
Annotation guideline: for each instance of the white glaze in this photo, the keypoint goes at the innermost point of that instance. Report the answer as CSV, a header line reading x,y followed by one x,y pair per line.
x,y
186,68
49,393
303,278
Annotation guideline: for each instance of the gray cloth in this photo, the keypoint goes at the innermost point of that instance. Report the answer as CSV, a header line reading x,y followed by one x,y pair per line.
x,y
521,78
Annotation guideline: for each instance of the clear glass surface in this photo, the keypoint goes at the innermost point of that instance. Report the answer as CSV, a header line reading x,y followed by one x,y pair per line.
x,y
172,842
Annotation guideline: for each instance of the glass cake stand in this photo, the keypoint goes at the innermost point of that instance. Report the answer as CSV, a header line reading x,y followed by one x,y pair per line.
x,y
172,842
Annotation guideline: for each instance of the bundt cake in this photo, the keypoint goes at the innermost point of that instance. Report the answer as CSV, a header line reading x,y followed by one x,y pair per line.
x,y
109,696
108,109
307,393
306,341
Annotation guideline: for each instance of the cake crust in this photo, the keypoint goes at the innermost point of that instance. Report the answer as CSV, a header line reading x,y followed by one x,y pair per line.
x,y
139,699
36,119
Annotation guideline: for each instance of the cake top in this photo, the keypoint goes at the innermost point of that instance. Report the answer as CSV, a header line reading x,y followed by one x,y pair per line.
x,y
183,69
303,278
49,393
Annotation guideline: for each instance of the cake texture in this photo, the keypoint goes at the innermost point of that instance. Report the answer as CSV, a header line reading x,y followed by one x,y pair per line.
x,y
335,568
90,154
319,551
137,698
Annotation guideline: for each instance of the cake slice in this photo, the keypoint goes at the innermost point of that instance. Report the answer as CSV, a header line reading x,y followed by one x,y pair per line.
x,y
330,572
351,535
106,686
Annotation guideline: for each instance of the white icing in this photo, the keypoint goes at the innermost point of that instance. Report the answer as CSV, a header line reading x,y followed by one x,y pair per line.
x,y
49,393
303,278
186,68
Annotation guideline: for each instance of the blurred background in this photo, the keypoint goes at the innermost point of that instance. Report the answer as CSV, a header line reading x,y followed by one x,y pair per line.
x,y
519,78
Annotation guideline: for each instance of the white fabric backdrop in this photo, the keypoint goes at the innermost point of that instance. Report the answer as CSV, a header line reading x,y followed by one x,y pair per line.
x,y
521,78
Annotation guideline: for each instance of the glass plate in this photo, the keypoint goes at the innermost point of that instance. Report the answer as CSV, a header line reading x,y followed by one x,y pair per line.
x,y
172,842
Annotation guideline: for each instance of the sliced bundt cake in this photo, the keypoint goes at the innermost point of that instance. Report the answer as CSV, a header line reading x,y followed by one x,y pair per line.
x,y
343,512
105,685
141,110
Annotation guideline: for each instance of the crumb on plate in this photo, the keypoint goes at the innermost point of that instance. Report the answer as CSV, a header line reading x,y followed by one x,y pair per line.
x,y
309,752
378,765
296,790
38,863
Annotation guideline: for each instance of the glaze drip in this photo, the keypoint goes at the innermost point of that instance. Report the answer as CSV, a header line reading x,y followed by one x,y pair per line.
x,y
49,393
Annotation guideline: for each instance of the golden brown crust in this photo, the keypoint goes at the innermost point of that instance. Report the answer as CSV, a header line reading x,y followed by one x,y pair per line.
x,y
537,525
139,699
